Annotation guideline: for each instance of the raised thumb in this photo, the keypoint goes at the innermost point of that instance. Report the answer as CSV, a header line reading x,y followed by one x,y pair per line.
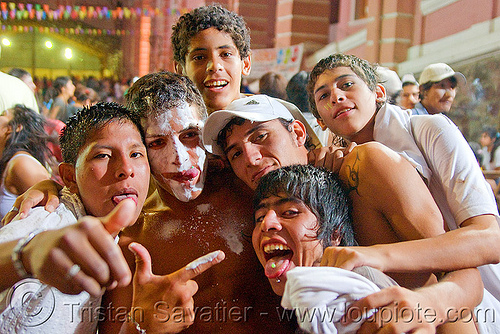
x,y
143,269
122,216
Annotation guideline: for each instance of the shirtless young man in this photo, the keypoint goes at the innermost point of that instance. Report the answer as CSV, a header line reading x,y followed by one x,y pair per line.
x,y
181,221
263,137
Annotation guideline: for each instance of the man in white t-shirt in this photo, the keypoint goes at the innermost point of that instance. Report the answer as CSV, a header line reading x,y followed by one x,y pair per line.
x,y
14,91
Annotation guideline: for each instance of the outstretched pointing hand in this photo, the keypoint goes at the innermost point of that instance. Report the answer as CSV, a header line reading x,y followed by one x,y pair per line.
x,y
162,296
89,245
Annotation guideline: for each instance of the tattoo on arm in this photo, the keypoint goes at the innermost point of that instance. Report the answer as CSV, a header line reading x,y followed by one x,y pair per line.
x,y
353,176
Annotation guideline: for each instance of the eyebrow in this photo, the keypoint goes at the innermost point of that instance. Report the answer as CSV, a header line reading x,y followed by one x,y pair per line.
x,y
248,133
112,148
189,127
336,79
282,200
226,46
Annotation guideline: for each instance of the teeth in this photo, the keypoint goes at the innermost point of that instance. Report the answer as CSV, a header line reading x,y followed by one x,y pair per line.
x,y
343,111
274,247
216,83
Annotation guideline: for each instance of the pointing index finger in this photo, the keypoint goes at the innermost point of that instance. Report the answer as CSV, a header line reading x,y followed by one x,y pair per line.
x,y
201,264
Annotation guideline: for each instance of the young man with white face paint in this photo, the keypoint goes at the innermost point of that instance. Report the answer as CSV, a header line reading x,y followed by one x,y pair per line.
x,y
179,161
192,213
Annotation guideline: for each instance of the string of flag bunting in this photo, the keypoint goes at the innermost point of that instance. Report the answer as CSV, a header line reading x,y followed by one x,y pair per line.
x,y
65,31
40,12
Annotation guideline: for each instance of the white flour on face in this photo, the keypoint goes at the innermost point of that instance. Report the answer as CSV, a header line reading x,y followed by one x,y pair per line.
x,y
178,157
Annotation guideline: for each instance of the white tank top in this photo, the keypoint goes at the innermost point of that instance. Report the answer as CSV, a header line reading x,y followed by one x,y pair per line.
x,y
7,198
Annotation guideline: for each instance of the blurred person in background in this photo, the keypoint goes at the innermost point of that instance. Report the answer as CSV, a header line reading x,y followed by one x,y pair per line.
x,y
14,91
24,76
24,153
410,95
61,108
297,94
438,87
274,85
391,82
490,140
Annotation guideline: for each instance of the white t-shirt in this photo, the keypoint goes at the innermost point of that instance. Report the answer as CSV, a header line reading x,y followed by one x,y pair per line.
x,y
449,166
487,164
14,91
31,306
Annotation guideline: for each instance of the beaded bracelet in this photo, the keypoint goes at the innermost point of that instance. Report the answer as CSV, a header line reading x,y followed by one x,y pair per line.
x,y
17,253
136,324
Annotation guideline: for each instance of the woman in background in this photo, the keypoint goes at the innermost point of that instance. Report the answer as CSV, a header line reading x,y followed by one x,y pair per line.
x,y
24,153
60,108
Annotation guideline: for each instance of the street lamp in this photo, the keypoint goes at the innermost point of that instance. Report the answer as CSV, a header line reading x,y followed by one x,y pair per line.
x,y
68,53
48,44
6,42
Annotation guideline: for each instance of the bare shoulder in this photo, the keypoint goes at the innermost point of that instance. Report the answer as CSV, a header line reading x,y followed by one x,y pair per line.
x,y
373,165
23,172
372,152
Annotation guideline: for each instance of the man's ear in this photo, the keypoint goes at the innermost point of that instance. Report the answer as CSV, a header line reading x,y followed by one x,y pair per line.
x,y
380,93
299,132
247,65
179,69
321,124
68,175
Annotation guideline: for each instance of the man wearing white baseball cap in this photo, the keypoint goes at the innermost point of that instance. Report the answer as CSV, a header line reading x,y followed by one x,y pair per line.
x,y
438,84
257,135
255,108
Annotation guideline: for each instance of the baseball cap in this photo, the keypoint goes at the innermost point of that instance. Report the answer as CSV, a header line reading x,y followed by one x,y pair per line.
x,y
390,80
255,108
439,71
408,77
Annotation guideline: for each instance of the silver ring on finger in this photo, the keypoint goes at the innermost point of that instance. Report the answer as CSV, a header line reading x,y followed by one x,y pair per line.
x,y
75,269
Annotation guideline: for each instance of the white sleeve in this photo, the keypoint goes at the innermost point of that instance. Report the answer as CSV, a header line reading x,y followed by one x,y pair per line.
x,y
454,167
19,228
37,220
496,159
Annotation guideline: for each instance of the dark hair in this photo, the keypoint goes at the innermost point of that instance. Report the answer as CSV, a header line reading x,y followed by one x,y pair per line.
x,y
296,90
236,120
363,69
321,191
81,126
202,18
495,135
409,83
274,85
28,134
60,82
19,73
156,93
426,86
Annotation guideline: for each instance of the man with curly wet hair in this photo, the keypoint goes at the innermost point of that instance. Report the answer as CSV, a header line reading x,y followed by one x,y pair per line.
x,y
212,47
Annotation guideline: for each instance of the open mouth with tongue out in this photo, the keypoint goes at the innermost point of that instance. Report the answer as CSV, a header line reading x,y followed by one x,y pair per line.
x,y
186,175
278,258
130,193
